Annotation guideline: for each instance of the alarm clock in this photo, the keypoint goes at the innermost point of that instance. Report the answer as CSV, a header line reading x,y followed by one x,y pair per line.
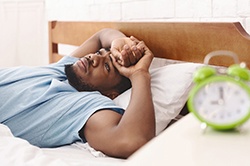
x,y
221,98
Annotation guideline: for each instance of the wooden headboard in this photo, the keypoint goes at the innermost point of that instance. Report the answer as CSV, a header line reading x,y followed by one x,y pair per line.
x,y
188,41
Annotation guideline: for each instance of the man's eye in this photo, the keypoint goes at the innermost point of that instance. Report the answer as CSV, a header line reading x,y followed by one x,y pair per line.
x,y
98,52
107,67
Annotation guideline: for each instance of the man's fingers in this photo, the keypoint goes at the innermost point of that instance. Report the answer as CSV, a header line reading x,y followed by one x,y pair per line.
x,y
115,53
115,62
134,39
131,52
138,53
125,58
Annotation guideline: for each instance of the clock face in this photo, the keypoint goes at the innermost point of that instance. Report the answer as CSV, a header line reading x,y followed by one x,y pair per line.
x,y
222,102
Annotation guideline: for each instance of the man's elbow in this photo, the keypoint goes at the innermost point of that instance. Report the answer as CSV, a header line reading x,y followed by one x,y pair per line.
x,y
128,146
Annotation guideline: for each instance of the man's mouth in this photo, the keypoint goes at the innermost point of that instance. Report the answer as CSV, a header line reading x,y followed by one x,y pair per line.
x,y
83,64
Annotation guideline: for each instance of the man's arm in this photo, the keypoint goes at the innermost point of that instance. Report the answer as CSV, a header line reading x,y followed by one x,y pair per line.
x,y
123,48
101,39
120,136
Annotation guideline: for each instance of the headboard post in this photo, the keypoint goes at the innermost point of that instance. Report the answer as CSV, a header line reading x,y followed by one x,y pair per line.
x,y
53,47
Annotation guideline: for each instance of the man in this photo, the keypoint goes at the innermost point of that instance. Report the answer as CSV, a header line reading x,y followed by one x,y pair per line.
x,y
49,109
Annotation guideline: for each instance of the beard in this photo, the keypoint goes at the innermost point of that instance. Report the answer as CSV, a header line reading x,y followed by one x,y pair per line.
x,y
75,81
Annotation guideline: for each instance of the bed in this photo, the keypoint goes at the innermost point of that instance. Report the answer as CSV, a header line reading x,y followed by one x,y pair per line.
x,y
179,49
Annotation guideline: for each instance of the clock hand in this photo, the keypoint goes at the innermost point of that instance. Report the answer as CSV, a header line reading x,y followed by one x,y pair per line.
x,y
215,102
221,93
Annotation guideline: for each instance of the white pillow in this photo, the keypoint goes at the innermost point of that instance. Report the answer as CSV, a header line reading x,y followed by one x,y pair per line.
x,y
170,86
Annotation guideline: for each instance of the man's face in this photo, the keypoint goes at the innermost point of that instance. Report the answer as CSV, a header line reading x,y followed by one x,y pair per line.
x,y
97,70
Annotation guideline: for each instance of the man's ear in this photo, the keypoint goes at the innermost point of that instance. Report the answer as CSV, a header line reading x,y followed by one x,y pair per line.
x,y
112,94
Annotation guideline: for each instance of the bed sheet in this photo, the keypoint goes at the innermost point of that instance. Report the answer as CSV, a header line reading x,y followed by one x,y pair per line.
x,y
17,151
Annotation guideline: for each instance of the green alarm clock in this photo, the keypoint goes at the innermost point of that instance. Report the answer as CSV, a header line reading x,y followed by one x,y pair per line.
x,y
221,100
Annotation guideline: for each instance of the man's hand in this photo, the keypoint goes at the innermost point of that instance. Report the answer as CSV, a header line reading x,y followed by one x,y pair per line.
x,y
126,51
142,65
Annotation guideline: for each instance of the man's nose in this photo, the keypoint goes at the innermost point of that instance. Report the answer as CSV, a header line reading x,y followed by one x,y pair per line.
x,y
98,59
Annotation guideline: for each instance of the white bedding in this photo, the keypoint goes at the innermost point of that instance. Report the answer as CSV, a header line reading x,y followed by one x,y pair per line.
x,y
16,151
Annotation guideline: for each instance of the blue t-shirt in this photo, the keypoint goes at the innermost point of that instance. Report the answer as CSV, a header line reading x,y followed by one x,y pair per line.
x,y
39,105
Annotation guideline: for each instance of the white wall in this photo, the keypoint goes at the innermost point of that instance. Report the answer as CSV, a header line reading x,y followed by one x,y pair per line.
x,y
22,33
150,10
23,23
